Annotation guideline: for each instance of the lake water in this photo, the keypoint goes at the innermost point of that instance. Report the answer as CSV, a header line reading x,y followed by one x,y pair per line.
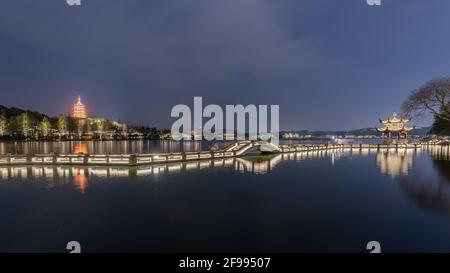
x,y
102,147
298,202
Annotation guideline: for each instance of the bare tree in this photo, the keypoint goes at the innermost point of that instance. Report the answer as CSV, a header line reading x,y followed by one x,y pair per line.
x,y
432,98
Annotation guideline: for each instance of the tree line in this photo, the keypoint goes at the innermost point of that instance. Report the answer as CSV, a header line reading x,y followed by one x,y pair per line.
x,y
18,124
433,98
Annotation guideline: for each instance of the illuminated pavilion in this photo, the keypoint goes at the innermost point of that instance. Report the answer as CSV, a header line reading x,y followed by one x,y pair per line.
x,y
394,125
79,110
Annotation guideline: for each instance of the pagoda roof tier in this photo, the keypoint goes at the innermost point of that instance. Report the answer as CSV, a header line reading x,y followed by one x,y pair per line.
x,y
394,119
79,110
395,129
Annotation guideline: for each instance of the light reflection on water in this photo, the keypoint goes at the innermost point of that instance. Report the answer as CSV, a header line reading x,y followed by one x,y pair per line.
x,y
395,163
293,202
391,162
251,164
102,147
125,146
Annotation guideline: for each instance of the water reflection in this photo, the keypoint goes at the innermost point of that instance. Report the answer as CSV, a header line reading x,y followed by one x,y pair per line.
x,y
80,175
395,163
102,147
113,146
81,147
80,178
439,152
423,175
441,160
297,194
399,162
258,165
252,164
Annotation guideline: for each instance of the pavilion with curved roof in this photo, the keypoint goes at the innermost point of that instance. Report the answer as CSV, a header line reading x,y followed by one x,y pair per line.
x,y
394,125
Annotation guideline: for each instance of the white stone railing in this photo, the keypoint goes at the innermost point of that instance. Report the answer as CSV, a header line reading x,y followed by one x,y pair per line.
x,y
144,159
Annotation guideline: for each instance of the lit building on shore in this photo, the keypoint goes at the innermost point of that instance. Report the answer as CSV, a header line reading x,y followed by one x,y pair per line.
x,y
394,125
79,110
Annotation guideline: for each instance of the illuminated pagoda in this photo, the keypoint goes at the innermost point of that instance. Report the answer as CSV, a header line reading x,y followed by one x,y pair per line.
x,y
394,125
78,110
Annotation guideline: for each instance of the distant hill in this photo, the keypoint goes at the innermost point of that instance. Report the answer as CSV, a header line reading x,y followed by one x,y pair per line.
x,y
13,111
421,131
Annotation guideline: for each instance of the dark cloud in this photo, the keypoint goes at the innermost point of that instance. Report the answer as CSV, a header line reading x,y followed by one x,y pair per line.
x,y
329,64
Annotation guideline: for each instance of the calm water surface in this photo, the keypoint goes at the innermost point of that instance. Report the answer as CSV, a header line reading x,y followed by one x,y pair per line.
x,y
102,147
299,202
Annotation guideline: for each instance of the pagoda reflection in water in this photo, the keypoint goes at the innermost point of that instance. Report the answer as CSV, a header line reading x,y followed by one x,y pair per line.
x,y
392,162
80,175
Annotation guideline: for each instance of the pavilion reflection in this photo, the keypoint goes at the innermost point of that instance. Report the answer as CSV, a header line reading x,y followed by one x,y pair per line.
x,y
399,162
395,162
430,185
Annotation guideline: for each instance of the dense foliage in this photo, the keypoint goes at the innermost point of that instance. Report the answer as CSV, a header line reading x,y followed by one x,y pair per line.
x,y
440,127
22,124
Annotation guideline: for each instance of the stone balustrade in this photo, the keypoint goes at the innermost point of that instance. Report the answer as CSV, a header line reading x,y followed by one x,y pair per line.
x,y
145,159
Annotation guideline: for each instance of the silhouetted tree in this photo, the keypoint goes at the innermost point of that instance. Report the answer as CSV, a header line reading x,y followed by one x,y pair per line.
x,y
13,126
432,98
440,127
72,125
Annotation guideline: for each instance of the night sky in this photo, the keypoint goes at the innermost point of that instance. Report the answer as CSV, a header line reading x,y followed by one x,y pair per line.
x,y
329,64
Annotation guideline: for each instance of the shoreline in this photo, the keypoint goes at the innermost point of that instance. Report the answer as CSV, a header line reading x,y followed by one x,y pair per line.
x,y
236,150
